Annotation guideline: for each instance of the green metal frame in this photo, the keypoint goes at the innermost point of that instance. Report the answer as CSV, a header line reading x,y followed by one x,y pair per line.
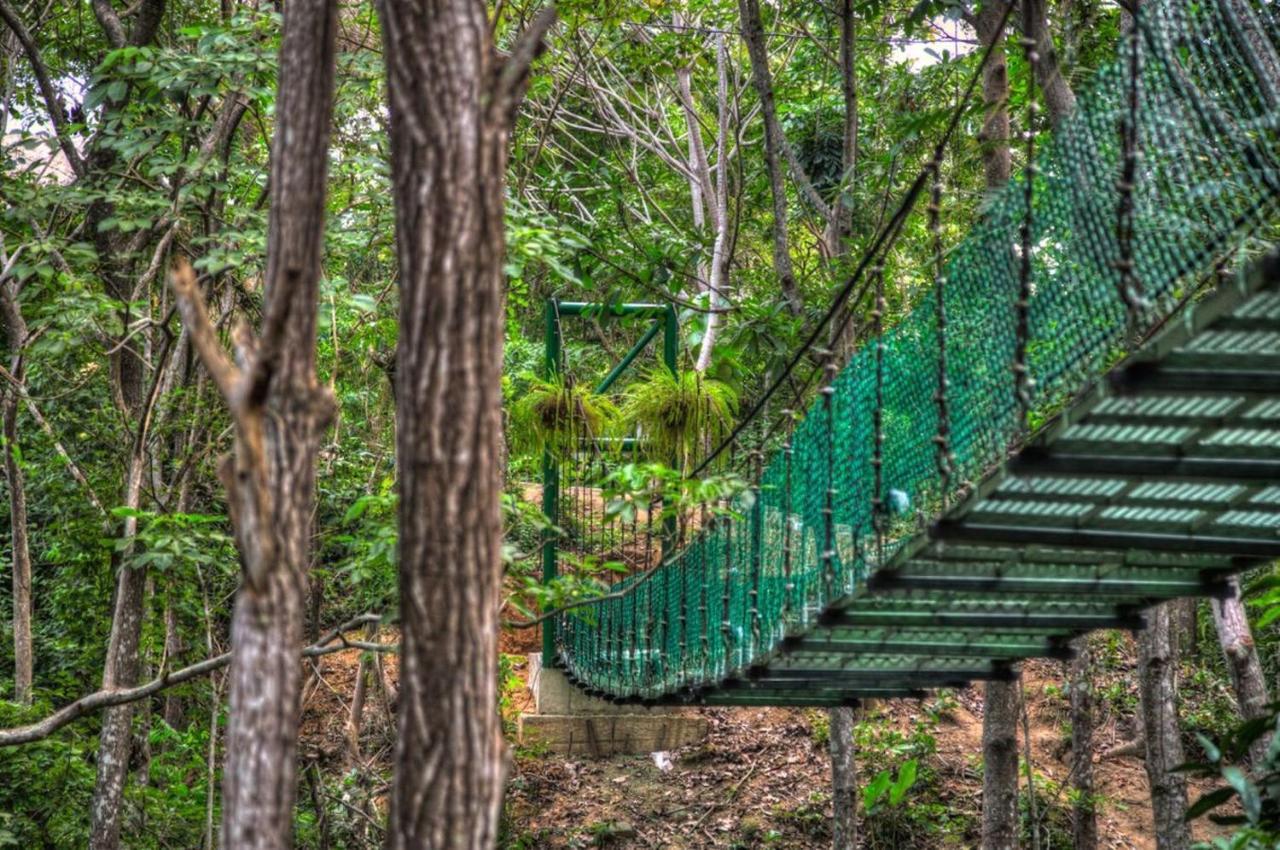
x,y
665,322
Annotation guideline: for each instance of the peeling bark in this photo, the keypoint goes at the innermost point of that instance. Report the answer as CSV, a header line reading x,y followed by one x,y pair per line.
x,y
452,103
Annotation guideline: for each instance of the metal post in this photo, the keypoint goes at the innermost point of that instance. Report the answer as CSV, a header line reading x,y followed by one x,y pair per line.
x,y
670,346
550,483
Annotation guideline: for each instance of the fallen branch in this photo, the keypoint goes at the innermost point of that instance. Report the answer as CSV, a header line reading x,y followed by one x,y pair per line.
x,y
119,696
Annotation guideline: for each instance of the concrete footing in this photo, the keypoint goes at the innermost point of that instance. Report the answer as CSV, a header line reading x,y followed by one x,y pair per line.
x,y
567,721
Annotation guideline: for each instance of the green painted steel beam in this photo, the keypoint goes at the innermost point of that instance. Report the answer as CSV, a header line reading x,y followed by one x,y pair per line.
x,y
976,645
1088,538
1247,382
993,619
629,358
1059,582
596,308
1212,470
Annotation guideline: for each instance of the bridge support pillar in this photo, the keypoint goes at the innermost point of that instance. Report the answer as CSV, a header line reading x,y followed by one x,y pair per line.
x,y
569,722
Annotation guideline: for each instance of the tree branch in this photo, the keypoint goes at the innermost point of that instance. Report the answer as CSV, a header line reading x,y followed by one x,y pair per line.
x,y
514,70
204,337
54,106
108,697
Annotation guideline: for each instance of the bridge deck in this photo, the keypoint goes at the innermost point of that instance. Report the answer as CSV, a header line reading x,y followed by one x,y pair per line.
x,y
1157,482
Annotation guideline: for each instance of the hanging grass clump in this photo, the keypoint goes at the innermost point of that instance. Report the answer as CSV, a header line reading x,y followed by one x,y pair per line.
x,y
558,415
676,415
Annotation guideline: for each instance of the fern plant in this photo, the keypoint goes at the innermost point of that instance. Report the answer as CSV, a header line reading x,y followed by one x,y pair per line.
x,y
556,415
676,414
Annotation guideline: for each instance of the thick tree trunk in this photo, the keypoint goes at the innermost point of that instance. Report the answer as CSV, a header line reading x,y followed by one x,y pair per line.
x,y
1157,686
1000,766
1084,816
758,51
844,780
1242,661
452,103
272,515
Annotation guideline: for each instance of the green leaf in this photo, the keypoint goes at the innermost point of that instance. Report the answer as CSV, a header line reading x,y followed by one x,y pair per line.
x,y
1209,802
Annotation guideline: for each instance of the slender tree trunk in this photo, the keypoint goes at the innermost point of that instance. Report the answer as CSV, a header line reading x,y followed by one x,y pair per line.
x,y
1000,700
1084,816
355,719
758,51
719,281
173,649
1157,685
1000,766
995,97
1059,99
121,670
844,779
452,103
844,768
1242,661
15,483
840,221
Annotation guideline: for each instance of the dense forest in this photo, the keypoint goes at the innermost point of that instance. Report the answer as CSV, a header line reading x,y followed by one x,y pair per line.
x,y
277,281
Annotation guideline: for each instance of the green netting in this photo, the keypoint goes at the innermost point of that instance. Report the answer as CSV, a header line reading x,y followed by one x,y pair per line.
x,y
1207,181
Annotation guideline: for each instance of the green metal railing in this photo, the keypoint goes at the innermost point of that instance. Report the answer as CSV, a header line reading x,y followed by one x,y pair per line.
x,y
663,321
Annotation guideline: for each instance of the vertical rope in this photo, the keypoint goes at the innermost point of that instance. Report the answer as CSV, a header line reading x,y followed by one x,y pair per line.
x,y
788,586
877,452
1021,374
944,458
1131,290
829,492
726,627
757,540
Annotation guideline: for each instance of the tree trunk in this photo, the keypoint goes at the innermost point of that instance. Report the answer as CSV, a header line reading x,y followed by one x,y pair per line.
x,y
15,483
173,649
757,50
844,780
274,534
23,651
1058,97
1000,766
840,221
995,96
1242,661
452,102
1084,817
719,281
1157,686
1000,700
121,670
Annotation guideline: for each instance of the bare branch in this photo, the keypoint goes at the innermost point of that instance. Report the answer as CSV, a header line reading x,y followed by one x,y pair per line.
x,y
52,102
108,697
204,338
514,70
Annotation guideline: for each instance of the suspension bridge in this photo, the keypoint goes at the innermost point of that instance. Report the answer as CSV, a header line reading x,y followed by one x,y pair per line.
x,y
1077,419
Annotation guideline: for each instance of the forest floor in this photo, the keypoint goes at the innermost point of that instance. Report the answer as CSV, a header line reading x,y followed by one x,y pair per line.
x,y
762,777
